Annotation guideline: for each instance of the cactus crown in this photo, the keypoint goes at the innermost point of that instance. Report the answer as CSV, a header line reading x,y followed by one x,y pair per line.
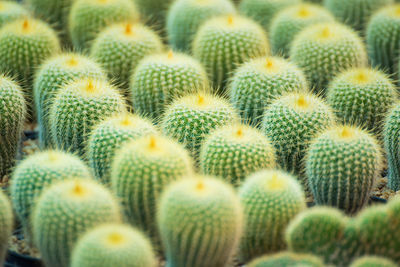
x,y
302,102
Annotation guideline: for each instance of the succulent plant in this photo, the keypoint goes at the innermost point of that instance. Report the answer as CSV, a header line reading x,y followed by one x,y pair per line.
x,y
373,261
391,134
7,224
287,259
10,11
154,12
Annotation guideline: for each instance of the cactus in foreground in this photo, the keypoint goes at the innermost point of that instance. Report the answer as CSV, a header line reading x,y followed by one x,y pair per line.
x,y
113,245
257,83
362,96
271,199
200,222
325,49
373,261
289,22
186,16
10,11
12,118
78,107
141,171
89,17
232,152
160,78
287,259
391,134
342,164
64,212
191,118
7,223
109,136
54,74
224,42
119,48
37,172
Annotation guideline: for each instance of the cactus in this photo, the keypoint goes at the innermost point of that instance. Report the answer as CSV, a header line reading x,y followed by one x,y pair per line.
x,y
53,74
373,261
154,12
64,212
341,165
186,16
271,199
289,22
362,96
141,171
10,11
7,223
224,42
263,11
159,79
13,113
37,172
89,17
119,48
287,259
109,136
234,151
258,82
78,107
325,49
382,38
191,118
113,245
291,122
200,222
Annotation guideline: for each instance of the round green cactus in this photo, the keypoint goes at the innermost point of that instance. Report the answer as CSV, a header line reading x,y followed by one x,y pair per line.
x,y
191,118
186,16
7,223
113,245
200,222
12,118
258,82
291,122
119,48
263,11
37,172
287,259
64,212
373,261
290,21
325,49
383,38
224,42
109,136
89,17
10,11
233,152
271,199
160,78
54,74
78,107
342,164
362,96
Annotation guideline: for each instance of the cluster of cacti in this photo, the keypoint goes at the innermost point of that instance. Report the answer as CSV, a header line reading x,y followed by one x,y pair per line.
x,y
7,223
10,11
287,259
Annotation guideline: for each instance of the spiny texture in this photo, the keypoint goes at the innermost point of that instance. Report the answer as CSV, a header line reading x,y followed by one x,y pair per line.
x,y
109,136
291,122
271,199
113,245
289,22
37,172
159,79
119,48
12,118
287,259
258,82
64,212
263,11
373,261
391,134
89,17
10,11
154,11
362,96
234,151
54,74
7,223
355,13
325,49
200,222
383,38
141,171
191,118
186,16
342,164
78,107
224,42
